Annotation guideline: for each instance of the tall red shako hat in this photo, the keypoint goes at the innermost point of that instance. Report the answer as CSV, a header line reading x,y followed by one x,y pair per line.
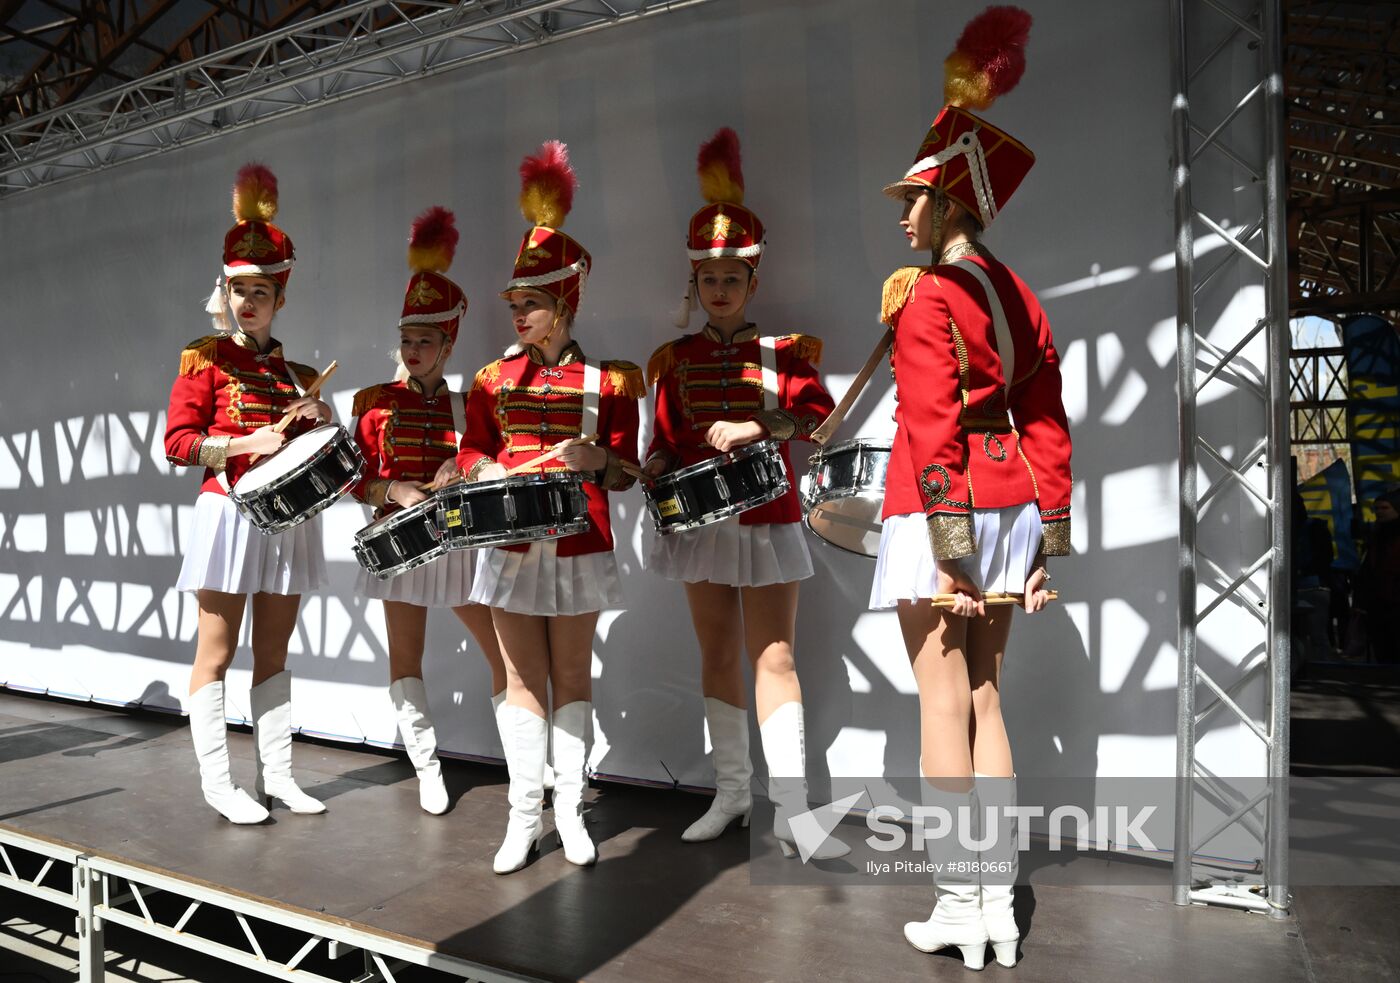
x,y
549,260
254,246
976,164
723,228
431,299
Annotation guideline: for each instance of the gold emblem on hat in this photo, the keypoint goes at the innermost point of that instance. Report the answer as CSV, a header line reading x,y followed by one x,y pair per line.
x,y
722,227
253,246
423,294
531,256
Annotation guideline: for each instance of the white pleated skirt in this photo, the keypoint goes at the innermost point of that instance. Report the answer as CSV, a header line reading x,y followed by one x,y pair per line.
x,y
226,552
540,581
1007,542
729,552
444,583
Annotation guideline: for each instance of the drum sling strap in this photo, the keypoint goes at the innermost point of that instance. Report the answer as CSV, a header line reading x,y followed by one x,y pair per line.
x,y
222,476
768,358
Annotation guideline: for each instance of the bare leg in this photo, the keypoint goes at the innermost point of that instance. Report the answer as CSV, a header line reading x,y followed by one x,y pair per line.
x,y
986,647
524,645
770,623
715,611
571,657
220,618
274,617
936,643
477,618
406,625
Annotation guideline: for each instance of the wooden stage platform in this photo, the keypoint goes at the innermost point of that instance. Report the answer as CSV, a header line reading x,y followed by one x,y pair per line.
x,y
122,788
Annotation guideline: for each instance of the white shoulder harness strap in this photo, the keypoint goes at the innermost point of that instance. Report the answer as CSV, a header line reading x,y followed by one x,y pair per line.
x,y
1006,348
592,387
459,413
768,355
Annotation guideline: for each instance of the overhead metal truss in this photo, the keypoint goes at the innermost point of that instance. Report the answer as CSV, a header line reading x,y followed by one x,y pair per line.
x,y
356,48
269,939
1232,349
1342,78
1318,396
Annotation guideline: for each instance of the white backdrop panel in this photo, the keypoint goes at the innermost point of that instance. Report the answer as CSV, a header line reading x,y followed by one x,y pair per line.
x,y
104,279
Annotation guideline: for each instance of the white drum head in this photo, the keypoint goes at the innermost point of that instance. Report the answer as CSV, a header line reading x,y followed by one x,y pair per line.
x,y
290,456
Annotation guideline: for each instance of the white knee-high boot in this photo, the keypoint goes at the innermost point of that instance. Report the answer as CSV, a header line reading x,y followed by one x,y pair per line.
x,y
784,750
209,733
1000,867
498,704
570,729
410,700
526,737
957,916
729,742
272,732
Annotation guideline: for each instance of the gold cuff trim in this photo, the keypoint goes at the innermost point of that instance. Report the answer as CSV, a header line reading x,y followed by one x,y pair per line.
x,y
473,473
951,536
780,423
213,452
1054,538
612,477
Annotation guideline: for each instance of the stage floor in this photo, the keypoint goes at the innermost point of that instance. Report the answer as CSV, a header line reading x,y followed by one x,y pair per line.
x,y
124,786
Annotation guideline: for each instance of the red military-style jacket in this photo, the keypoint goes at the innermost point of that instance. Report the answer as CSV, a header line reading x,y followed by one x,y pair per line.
x,y
700,381
519,408
405,435
958,445
226,389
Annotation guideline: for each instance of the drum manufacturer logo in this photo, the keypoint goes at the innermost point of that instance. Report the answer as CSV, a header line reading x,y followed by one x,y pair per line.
x,y
453,517
669,507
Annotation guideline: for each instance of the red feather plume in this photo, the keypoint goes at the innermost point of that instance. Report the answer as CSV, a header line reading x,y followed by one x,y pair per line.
x,y
720,168
432,240
255,193
989,58
547,184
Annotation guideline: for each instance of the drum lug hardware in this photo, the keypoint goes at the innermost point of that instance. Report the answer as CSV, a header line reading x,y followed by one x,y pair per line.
x,y
722,487
281,504
321,487
345,461
509,503
556,501
398,547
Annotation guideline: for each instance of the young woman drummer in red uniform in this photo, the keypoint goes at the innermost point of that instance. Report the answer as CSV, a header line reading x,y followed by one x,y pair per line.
x,y
231,388
408,431
978,485
718,389
545,596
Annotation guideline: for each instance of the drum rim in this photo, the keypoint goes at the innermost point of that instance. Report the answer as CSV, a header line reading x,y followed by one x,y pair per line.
x,y
310,513
728,457
389,573
564,530
513,481
321,453
878,443
810,502
397,518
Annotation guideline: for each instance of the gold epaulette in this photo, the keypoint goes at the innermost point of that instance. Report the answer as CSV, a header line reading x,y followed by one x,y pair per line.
x,y
198,354
626,378
487,374
805,346
365,399
306,374
897,291
662,361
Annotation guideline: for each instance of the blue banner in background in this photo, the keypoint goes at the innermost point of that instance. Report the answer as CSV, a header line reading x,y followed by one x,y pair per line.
x,y
1327,496
1373,410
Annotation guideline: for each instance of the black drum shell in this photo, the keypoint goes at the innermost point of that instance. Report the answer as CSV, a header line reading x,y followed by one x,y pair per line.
x,y
525,508
313,486
754,474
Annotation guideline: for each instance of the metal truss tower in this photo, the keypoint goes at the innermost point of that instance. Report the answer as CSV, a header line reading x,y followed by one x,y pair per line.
x,y
356,47
1228,159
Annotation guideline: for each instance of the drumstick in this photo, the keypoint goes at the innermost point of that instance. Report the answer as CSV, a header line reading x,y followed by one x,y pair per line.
x,y
993,599
312,391
551,455
629,468
828,426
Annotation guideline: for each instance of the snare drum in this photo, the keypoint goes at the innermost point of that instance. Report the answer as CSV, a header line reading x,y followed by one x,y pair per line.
x,y
843,494
717,488
306,475
401,540
526,508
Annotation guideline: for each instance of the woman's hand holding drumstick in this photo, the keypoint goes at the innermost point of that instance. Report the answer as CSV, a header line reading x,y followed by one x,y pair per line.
x,y
550,455
308,405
